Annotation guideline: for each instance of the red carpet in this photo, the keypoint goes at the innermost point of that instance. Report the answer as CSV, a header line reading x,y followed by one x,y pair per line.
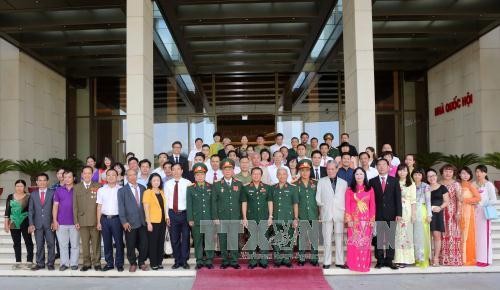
x,y
300,278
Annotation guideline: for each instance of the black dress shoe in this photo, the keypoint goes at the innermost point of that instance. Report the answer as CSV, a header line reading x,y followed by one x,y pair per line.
x,y
315,263
236,266
379,265
224,266
37,267
160,267
251,266
263,266
341,266
393,266
107,268
74,268
288,265
277,265
301,263
85,268
98,268
326,266
175,266
120,269
186,266
198,266
209,266
51,268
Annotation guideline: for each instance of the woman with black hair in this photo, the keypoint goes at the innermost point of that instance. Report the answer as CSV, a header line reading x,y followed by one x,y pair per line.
x,y
360,219
405,249
421,227
155,209
440,198
16,222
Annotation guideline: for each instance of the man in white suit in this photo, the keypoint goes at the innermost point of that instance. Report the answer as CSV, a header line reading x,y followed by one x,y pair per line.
x,y
330,197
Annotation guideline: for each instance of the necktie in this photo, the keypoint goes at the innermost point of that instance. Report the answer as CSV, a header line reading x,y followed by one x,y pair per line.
x,y
176,196
176,159
137,199
42,197
383,183
317,175
228,183
215,175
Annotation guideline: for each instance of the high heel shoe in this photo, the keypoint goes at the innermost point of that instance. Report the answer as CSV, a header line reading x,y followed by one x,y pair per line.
x,y
435,262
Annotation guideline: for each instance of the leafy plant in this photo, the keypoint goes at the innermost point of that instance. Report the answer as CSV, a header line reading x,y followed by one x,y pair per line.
x,y
492,159
5,165
32,168
427,160
462,160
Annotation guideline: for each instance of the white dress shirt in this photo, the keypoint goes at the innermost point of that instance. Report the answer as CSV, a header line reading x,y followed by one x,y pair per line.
x,y
209,177
168,188
192,153
318,169
160,171
273,170
176,158
107,197
324,160
371,173
385,178
142,181
277,147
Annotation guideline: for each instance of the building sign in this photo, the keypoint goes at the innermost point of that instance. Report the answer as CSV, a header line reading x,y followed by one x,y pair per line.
x,y
454,104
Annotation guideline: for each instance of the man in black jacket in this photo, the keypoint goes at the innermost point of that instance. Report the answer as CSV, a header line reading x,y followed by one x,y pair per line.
x,y
388,211
177,158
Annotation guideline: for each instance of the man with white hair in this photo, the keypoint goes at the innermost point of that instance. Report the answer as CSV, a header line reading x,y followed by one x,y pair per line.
x,y
273,168
330,197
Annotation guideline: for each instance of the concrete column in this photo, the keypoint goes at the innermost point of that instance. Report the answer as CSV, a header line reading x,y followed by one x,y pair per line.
x,y
140,78
359,73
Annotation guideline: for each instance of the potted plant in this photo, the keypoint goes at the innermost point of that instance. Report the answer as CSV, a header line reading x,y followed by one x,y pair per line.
x,y
32,168
462,160
493,160
5,166
427,160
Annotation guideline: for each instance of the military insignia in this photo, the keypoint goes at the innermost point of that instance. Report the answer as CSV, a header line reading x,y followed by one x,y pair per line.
x,y
263,190
235,187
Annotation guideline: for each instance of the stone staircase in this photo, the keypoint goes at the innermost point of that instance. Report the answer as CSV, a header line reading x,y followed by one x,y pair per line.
x,y
7,252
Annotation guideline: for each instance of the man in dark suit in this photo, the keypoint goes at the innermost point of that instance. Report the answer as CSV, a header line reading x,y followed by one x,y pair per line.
x,y
177,158
317,171
131,212
388,211
40,219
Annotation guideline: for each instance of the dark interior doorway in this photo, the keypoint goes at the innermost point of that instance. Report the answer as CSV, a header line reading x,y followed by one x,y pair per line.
x,y
233,126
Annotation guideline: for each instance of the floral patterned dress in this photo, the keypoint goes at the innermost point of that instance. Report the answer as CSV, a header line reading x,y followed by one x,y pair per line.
x,y
360,210
404,247
451,251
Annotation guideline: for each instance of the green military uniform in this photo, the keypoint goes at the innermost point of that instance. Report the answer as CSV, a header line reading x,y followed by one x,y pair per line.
x,y
292,154
308,149
259,148
257,199
244,179
198,202
284,198
308,212
333,152
226,206
85,215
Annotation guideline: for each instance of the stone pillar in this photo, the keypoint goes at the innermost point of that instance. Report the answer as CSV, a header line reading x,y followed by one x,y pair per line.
x,y
359,73
140,78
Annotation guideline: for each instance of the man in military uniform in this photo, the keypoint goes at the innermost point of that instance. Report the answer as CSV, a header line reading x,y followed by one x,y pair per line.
x,y
333,152
285,212
85,218
308,213
199,215
257,206
226,212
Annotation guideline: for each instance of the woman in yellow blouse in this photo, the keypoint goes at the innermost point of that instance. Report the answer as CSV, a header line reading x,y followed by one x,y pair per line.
x,y
155,209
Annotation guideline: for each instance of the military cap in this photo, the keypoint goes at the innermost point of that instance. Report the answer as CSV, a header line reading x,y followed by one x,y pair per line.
x,y
305,163
227,163
199,167
328,136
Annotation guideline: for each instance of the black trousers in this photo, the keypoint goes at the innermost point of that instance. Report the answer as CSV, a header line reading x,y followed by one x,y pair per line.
x,y
137,239
179,236
157,243
28,241
384,241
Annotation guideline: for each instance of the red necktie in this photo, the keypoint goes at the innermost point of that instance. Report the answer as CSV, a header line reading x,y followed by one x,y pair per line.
x,y
383,183
176,196
42,197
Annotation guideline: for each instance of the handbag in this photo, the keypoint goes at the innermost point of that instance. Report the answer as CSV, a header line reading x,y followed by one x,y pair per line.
x,y
490,212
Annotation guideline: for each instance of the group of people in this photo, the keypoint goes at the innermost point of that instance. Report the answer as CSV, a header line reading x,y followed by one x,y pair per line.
x,y
256,200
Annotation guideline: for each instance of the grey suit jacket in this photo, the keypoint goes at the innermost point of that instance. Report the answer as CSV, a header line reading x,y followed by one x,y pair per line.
x,y
332,203
128,210
41,216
